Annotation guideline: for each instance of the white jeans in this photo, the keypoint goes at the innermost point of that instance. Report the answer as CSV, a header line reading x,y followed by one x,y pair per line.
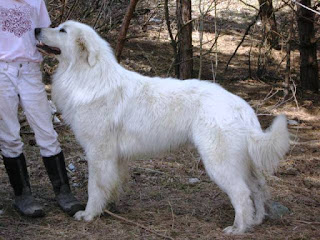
x,y
21,83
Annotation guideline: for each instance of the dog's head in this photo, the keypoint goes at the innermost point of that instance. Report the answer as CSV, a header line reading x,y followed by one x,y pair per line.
x,y
70,41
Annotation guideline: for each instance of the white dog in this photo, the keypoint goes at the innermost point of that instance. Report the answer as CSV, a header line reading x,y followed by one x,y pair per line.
x,y
118,114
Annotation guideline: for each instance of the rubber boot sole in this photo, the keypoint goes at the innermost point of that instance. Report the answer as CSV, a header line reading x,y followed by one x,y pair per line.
x,y
36,214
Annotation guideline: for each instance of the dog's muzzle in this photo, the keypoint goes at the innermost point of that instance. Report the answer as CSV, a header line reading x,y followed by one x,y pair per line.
x,y
43,48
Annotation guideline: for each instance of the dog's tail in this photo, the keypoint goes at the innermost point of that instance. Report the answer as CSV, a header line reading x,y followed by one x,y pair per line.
x,y
266,149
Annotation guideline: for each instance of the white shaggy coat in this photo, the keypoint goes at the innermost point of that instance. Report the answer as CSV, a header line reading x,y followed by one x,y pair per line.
x,y
118,114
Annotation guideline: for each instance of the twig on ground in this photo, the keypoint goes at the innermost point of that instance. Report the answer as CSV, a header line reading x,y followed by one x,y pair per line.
x,y
172,214
136,224
309,223
150,170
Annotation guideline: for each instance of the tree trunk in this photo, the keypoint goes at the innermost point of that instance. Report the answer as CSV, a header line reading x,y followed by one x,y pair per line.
x,y
124,28
184,39
287,78
269,23
309,75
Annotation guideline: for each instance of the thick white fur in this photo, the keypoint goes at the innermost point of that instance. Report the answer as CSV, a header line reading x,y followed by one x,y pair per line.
x,y
118,114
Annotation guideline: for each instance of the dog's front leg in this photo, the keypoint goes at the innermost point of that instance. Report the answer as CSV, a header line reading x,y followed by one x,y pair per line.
x,y
96,201
103,179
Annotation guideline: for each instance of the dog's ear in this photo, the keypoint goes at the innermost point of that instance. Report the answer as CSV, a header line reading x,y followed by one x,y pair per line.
x,y
88,47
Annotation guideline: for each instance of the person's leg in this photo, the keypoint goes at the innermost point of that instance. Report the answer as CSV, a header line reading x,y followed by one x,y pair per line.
x,y
12,146
10,140
36,106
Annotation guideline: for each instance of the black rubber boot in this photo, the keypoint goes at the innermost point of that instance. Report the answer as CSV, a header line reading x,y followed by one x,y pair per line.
x,y
56,170
19,180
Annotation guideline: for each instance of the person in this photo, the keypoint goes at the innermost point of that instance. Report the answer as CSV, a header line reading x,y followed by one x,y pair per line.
x,y
21,83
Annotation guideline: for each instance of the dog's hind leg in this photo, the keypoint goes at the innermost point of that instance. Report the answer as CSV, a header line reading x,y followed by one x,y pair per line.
x,y
260,193
225,163
103,181
230,179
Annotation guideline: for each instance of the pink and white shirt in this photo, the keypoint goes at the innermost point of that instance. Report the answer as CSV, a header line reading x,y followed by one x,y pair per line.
x,y
18,19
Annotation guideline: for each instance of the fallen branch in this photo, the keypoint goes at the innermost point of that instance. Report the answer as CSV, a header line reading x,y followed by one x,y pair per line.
x,y
150,170
136,224
309,223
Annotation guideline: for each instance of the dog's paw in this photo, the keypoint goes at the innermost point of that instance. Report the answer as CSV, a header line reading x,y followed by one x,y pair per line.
x,y
232,230
83,215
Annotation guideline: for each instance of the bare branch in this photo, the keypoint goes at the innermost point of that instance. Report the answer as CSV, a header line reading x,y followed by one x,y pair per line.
x,y
124,28
249,5
136,224
244,36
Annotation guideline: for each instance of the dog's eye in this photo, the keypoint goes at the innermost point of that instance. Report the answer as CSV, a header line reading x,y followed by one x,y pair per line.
x,y
62,30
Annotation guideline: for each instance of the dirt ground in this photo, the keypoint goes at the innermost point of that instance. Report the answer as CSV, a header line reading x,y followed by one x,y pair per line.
x,y
159,193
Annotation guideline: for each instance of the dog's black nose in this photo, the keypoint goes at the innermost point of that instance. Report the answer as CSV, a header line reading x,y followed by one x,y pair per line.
x,y
37,31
